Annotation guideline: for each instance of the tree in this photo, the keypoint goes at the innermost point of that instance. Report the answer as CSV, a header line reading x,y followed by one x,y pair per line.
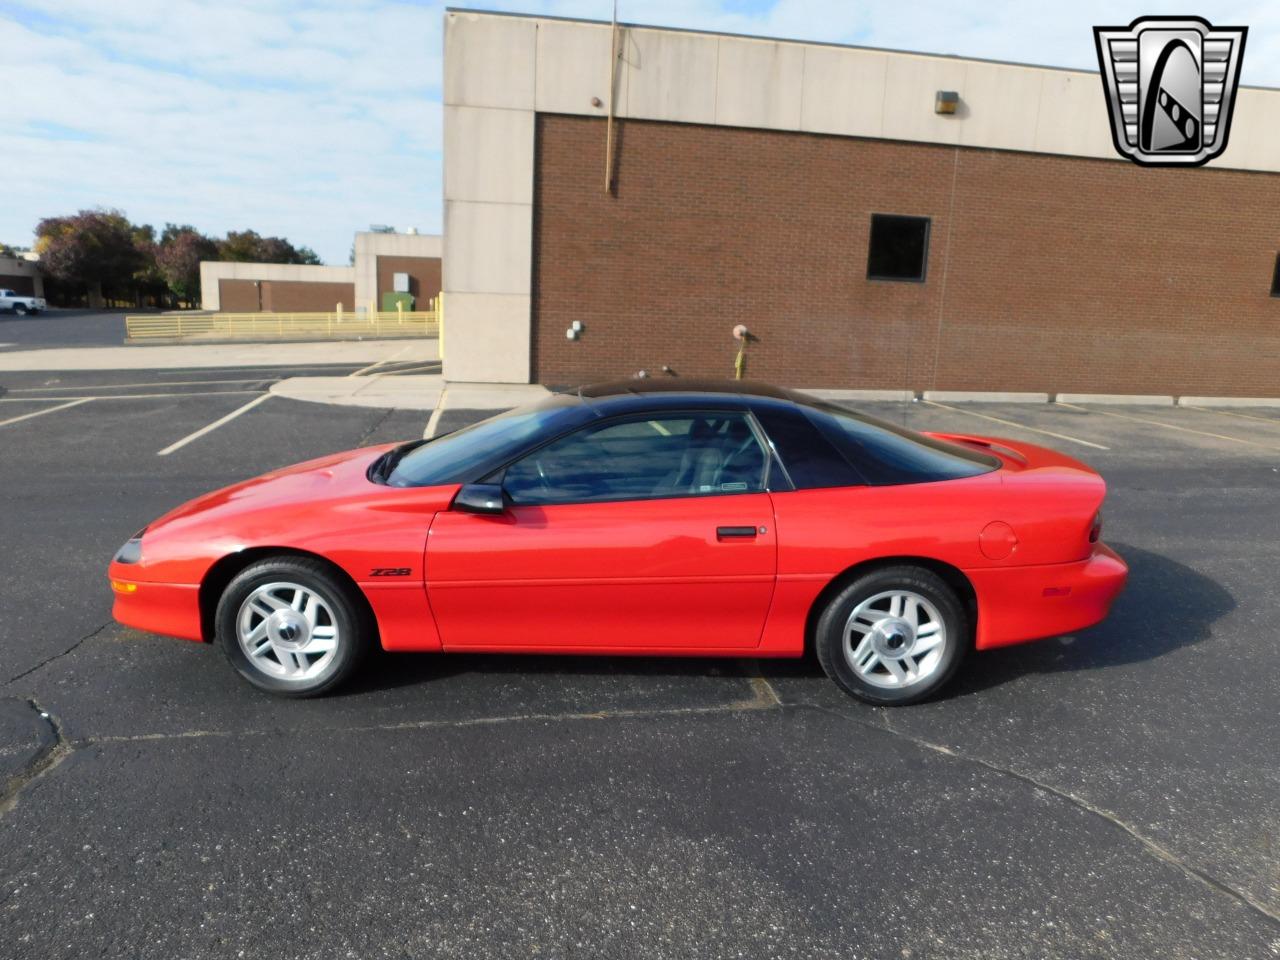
x,y
92,247
178,257
7,251
250,247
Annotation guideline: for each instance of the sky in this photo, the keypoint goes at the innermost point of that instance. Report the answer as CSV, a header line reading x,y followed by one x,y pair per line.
x,y
312,119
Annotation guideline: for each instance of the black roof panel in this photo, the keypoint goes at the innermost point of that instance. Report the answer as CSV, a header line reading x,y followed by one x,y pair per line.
x,y
637,386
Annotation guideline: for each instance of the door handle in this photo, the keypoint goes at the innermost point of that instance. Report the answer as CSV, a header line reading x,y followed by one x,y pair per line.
x,y
725,533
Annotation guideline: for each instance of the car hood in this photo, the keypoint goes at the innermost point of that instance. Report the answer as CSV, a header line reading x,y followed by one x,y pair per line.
x,y
335,477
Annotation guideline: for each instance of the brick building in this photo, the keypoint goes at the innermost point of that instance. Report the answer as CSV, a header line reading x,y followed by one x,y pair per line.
x,y
812,193
21,275
382,260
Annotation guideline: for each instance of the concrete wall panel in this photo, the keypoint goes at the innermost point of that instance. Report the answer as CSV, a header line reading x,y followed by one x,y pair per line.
x,y
1072,118
758,83
843,91
573,67
1254,141
487,337
669,76
488,155
487,247
489,60
999,106
911,84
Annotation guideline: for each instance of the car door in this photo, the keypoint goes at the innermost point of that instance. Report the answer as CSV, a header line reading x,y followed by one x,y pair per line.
x,y
650,533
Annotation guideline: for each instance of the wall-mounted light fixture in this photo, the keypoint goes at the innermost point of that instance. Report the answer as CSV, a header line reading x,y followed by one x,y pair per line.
x,y
946,102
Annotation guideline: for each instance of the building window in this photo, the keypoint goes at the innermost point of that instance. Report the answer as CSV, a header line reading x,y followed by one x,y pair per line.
x,y
899,248
1275,278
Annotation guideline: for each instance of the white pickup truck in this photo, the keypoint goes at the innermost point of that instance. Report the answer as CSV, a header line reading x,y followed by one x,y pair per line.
x,y
21,305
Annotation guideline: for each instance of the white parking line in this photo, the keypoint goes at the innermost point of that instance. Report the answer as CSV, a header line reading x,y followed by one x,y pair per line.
x,y
213,426
1171,426
121,386
131,396
1020,426
41,413
433,422
1232,413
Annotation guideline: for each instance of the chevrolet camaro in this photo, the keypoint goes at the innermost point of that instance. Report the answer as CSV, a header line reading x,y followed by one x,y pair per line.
x,y
662,518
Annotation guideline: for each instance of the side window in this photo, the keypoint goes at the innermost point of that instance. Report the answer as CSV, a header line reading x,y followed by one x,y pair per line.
x,y
810,459
886,454
677,455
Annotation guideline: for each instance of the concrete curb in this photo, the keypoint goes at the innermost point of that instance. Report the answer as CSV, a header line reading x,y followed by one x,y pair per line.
x,y
1229,401
867,395
408,392
213,356
494,396
403,393
981,396
1136,399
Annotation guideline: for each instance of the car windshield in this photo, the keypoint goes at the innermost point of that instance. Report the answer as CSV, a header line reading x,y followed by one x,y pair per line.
x,y
457,457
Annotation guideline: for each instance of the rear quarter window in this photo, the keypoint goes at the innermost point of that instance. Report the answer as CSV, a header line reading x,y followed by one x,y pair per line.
x,y
885,454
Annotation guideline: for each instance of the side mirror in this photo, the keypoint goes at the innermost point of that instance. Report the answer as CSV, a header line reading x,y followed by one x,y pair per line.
x,y
480,498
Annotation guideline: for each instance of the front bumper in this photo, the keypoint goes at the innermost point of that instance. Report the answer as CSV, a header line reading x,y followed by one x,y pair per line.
x,y
172,609
1017,604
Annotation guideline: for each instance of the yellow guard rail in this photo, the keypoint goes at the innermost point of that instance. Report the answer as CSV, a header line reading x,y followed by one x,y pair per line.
x,y
283,326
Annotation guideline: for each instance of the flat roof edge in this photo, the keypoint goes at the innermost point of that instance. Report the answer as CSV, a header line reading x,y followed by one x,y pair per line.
x,y
813,43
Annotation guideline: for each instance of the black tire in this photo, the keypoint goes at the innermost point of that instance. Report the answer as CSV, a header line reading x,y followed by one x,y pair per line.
x,y
20,309
347,611
829,639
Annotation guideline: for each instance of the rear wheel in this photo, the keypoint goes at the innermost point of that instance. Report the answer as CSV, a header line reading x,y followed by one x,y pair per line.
x,y
290,626
20,309
893,636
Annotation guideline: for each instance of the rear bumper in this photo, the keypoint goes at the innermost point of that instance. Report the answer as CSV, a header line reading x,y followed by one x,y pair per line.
x,y
1017,604
172,609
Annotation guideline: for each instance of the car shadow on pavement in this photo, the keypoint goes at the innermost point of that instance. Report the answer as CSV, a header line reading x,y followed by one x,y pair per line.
x,y
390,670
1165,605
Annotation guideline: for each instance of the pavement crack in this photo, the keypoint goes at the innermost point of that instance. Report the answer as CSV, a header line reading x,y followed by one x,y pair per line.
x,y
762,698
374,429
1150,846
57,656
41,764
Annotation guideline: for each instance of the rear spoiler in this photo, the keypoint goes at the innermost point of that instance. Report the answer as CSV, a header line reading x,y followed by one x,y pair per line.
x,y
999,448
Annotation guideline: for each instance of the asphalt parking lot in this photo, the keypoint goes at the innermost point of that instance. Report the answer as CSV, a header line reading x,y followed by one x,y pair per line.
x,y
61,328
1110,794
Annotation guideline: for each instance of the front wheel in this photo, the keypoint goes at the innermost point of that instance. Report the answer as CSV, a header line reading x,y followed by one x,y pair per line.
x,y
20,309
893,636
290,626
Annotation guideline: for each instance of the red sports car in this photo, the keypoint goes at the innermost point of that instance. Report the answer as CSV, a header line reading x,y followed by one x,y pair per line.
x,y
663,518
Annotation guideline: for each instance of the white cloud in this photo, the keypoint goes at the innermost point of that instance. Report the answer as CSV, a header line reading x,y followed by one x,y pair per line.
x,y
313,119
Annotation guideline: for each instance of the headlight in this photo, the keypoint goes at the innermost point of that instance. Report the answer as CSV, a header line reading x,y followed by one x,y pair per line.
x,y
131,552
